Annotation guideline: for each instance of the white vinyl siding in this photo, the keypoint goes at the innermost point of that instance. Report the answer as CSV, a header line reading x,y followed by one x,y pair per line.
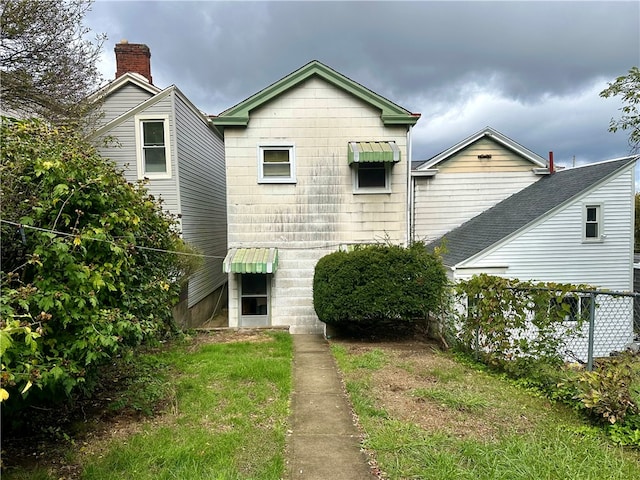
x,y
202,186
553,250
447,200
312,217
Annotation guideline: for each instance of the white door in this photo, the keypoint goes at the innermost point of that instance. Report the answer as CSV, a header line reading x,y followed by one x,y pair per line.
x,y
254,300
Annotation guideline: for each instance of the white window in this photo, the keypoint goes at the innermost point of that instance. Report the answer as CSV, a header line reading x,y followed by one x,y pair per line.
x,y
276,164
371,177
592,223
153,149
573,307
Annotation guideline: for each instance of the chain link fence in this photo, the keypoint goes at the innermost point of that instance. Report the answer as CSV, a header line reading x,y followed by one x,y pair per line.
x,y
610,324
603,323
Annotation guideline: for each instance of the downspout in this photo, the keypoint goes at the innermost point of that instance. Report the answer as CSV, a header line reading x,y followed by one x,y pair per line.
x,y
409,188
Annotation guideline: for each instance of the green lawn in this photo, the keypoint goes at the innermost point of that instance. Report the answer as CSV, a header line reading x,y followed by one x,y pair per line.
x,y
426,416
225,417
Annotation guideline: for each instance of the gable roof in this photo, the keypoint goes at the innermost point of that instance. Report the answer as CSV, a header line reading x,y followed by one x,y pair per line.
x,y
492,134
128,78
518,211
238,115
148,103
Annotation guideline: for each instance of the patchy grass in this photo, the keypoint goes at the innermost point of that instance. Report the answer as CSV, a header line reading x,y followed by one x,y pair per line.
x,y
225,406
426,416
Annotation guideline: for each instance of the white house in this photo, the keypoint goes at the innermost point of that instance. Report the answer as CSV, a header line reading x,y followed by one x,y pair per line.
x,y
467,179
315,162
572,226
159,135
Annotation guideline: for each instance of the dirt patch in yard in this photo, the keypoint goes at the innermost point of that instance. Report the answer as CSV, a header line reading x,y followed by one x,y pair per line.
x,y
421,385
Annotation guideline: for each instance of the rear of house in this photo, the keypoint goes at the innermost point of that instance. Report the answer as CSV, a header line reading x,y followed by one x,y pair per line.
x,y
315,162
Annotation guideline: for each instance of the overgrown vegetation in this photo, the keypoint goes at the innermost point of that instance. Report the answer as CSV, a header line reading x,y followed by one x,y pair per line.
x,y
519,328
86,272
378,284
205,406
515,326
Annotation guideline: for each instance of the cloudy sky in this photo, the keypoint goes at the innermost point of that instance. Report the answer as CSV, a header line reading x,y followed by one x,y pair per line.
x,y
532,70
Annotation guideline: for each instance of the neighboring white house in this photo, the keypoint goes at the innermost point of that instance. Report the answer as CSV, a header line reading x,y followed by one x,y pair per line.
x,y
158,134
573,226
467,179
315,162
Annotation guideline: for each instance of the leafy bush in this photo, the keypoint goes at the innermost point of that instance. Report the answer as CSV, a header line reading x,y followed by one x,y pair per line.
x,y
82,279
377,283
608,392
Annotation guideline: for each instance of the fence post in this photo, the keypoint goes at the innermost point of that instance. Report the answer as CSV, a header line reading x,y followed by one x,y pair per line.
x,y
592,322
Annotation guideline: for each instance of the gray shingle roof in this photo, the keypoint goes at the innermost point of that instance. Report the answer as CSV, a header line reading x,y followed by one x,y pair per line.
x,y
522,208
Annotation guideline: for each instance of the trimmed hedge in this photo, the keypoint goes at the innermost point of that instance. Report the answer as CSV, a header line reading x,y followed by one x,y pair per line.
x,y
377,284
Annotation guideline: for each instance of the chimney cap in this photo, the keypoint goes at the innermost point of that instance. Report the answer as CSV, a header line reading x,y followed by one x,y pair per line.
x,y
124,40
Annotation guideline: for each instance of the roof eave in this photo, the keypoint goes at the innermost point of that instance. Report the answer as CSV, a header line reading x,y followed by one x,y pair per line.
x,y
391,114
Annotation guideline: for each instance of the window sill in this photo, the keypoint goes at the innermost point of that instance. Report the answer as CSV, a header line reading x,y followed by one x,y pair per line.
x,y
161,176
262,181
372,191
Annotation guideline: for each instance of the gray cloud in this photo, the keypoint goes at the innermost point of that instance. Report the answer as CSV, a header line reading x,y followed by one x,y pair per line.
x,y
530,69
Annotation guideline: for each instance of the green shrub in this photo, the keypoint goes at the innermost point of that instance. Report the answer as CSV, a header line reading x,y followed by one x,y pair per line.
x,y
377,283
81,280
608,392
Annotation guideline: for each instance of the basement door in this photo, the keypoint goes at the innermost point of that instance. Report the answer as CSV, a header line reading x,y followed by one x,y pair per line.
x,y
254,300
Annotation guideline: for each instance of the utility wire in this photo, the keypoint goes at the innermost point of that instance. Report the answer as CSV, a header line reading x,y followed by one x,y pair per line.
x,y
139,247
160,250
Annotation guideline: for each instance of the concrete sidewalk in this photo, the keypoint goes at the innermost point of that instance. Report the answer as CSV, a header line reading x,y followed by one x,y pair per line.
x,y
324,442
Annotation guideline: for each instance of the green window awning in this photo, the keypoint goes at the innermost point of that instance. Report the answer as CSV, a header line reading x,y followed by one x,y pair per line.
x,y
373,152
251,260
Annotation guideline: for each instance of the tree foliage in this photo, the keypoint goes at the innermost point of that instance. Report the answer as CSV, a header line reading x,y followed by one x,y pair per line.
x,y
628,88
82,277
377,283
47,64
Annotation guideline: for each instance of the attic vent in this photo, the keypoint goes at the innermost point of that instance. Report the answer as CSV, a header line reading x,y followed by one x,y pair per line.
x,y
485,155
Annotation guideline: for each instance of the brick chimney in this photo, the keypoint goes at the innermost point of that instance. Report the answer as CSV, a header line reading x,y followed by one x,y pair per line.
x,y
133,57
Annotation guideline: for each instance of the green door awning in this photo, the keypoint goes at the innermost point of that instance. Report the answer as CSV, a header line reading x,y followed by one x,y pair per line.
x,y
251,260
373,152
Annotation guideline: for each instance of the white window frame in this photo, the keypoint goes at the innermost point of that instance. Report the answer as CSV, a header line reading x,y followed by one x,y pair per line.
x,y
290,147
139,121
599,222
355,168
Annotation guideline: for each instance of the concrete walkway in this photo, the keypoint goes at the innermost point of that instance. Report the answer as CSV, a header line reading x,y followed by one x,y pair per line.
x,y
324,442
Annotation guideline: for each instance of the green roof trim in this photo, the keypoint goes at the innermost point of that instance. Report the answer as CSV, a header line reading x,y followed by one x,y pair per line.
x,y
373,152
251,260
391,113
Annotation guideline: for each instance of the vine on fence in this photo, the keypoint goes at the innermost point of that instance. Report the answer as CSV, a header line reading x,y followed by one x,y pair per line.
x,y
513,324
